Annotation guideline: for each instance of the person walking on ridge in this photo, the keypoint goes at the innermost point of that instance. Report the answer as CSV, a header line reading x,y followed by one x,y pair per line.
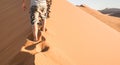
x,y
38,15
38,11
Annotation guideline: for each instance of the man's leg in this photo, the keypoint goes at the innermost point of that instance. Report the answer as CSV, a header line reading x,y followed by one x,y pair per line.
x,y
44,24
44,16
34,21
35,26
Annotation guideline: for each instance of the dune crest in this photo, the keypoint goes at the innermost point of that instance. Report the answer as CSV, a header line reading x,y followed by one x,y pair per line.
x,y
113,22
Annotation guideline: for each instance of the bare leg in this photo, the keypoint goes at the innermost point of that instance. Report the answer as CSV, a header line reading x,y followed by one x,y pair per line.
x,y
35,31
35,34
44,16
35,26
44,24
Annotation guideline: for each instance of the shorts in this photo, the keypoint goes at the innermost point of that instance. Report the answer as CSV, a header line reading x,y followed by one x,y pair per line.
x,y
35,13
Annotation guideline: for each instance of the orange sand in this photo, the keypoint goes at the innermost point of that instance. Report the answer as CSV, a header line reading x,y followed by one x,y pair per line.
x,y
75,37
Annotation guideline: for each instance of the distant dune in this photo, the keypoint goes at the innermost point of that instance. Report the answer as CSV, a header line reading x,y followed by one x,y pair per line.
x,y
75,37
113,22
111,11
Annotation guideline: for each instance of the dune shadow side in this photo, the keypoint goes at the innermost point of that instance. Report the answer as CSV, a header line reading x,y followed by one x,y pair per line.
x,y
23,58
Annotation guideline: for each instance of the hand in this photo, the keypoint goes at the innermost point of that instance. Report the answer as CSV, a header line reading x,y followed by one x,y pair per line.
x,y
24,6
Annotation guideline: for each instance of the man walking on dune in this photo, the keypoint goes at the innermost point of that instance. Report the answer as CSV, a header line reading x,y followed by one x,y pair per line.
x,y
38,10
38,13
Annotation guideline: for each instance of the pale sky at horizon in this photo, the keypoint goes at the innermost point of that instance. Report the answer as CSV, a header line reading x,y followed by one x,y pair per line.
x,y
98,4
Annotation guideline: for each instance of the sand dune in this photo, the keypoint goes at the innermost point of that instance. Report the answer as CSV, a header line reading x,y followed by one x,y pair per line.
x,y
13,29
111,11
74,36
113,22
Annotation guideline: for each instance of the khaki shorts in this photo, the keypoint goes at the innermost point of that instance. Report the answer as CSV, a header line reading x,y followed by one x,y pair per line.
x,y
35,13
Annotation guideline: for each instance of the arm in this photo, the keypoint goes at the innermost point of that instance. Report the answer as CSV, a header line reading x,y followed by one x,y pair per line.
x,y
24,5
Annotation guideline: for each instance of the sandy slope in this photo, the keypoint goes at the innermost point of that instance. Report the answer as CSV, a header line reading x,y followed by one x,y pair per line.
x,y
113,22
88,40
75,37
13,29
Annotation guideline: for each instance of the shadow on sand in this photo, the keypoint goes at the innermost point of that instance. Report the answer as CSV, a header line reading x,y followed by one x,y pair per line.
x,y
23,58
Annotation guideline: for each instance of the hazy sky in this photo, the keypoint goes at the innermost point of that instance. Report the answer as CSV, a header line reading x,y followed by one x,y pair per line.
x,y
98,4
